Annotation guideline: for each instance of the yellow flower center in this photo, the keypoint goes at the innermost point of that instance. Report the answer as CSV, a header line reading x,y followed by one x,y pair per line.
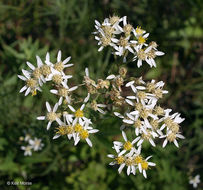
x,y
59,66
138,159
123,42
141,54
45,69
61,130
37,73
144,165
78,128
128,145
84,134
62,92
141,40
137,124
139,31
51,116
129,162
171,137
79,113
120,159
105,41
31,83
57,79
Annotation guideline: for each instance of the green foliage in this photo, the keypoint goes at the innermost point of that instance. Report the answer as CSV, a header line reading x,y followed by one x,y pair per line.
x,y
29,28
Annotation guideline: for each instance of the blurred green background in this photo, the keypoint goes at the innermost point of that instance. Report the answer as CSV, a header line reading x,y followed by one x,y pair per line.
x,y
30,27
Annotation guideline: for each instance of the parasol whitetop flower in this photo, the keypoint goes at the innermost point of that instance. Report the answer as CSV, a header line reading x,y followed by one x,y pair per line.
x,y
51,115
36,144
194,181
127,146
31,83
27,150
84,133
63,92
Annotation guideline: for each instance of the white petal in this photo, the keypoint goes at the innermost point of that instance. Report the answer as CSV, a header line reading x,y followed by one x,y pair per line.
x,y
49,125
73,88
165,143
66,60
22,77
110,77
56,136
140,168
39,61
124,136
86,99
144,174
27,91
48,107
54,91
30,65
59,56
41,118
87,72
121,168
23,89
130,83
176,143
55,107
71,108
88,142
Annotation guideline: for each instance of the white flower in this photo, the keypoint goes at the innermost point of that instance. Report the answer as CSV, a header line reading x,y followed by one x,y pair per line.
x,y
84,133
194,181
127,146
51,115
31,83
144,165
63,92
27,150
36,144
171,137
60,65
97,107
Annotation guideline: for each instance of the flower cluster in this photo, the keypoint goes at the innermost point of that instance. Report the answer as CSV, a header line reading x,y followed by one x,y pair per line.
x,y
147,117
128,155
47,71
131,99
33,144
124,39
70,122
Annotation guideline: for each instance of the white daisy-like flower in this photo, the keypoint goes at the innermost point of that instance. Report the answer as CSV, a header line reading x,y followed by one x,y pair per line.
x,y
171,137
31,84
127,146
65,128
97,107
61,65
63,92
84,132
27,150
148,135
194,181
151,55
51,115
144,165
36,71
36,144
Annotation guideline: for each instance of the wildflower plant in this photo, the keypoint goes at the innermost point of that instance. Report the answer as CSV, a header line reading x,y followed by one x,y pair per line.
x,y
130,99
